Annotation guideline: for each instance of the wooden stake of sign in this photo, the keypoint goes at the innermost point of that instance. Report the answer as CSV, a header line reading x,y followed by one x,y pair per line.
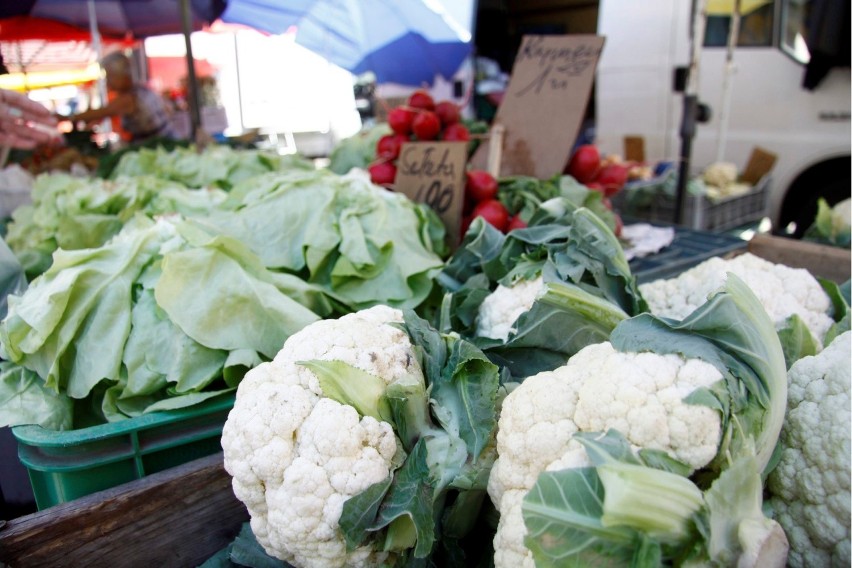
x,y
544,104
495,149
434,173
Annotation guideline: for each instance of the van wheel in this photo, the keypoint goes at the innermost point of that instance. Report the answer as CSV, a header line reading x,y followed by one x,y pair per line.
x,y
830,180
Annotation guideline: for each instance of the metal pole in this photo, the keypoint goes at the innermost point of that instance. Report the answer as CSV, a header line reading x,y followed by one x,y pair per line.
x,y
239,82
97,47
192,87
690,105
727,81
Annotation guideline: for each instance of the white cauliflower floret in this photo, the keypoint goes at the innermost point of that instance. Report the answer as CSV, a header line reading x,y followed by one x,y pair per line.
x,y
500,310
720,174
296,457
782,290
639,394
810,487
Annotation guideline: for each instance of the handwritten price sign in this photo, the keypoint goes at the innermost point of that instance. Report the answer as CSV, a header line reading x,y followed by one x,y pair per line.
x,y
545,103
434,173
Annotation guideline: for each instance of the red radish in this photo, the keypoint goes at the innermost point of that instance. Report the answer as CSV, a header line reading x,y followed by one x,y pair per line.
x,y
382,173
389,146
595,186
607,202
400,118
480,185
515,222
426,125
493,212
584,163
612,178
421,99
456,132
448,112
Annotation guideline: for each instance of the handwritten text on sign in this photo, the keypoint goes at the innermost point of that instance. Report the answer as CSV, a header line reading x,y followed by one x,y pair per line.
x,y
434,173
545,103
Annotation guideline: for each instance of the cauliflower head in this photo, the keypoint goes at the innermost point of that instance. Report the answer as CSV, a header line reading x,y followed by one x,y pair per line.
x,y
810,486
782,290
295,457
500,310
639,394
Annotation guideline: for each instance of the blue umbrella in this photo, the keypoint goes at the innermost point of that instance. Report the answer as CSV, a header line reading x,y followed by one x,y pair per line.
x,y
408,42
116,18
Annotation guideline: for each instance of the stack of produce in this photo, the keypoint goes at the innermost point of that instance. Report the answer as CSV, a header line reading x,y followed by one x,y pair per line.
x,y
72,212
419,119
808,313
168,313
215,166
647,448
632,440
516,296
832,224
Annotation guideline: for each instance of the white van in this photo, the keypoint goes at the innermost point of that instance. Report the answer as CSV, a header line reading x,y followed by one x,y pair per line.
x,y
808,129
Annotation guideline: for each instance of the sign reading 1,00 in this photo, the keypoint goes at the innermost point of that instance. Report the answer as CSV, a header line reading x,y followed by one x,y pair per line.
x,y
436,175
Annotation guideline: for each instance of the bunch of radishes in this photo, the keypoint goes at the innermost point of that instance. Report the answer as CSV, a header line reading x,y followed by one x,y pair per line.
x,y
605,175
480,200
420,118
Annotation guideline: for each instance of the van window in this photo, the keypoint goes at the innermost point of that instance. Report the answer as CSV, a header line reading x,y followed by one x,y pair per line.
x,y
756,21
793,29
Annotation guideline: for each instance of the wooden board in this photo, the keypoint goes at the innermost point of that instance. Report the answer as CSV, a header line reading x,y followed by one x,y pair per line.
x,y
544,104
178,517
824,261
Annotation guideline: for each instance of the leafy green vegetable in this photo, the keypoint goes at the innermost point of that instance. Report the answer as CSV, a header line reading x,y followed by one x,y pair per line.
x,y
732,332
447,425
797,341
588,286
244,551
215,166
24,399
361,244
523,195
831,225
163,316
622,510
74,213
357,151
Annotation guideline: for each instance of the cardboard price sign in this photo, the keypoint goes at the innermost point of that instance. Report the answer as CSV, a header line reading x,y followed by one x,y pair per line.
x,y
434,173
544,104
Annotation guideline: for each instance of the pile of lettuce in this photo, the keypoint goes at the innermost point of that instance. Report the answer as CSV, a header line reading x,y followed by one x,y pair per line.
x,y
172,311
215,166
71,213
361,244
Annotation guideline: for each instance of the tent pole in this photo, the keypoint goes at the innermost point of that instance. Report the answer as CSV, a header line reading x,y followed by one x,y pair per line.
x,y
97,47
192,87
727,84
690,105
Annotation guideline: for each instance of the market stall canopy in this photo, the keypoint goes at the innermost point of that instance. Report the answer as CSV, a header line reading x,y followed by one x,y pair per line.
x,y
25,19
37,63
408,42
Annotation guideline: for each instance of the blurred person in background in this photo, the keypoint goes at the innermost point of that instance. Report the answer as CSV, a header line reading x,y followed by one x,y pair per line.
x,y
143,114
24,123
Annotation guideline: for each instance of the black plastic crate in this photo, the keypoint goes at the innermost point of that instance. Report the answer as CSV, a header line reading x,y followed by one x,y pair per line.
x,y
654,202
689,248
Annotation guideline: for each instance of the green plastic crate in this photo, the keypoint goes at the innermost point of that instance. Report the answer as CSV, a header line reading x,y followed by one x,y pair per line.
x,y
63,466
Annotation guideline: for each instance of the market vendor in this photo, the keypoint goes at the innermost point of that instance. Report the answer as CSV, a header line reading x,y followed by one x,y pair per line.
x,y
142,111
24,123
